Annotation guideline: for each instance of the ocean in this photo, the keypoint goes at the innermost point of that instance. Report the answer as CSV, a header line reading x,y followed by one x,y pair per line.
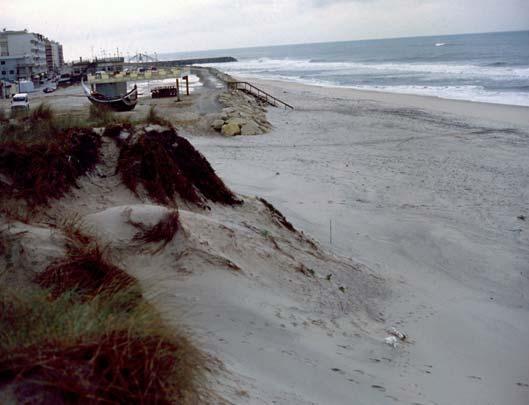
x,y
491,67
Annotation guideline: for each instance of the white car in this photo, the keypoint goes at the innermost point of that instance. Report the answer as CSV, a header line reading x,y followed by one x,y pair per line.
x,y
20,101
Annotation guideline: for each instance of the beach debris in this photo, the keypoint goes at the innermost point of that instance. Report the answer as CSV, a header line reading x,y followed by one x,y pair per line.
x,y
521,217
342,289
391,341
397,333
328,277
395,336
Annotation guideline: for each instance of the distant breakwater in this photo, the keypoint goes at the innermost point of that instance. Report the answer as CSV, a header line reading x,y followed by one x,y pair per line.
x,y
183,62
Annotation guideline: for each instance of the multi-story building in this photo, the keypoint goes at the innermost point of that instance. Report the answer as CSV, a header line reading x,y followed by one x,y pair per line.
x,y
61,56
14,68
24,55
53,56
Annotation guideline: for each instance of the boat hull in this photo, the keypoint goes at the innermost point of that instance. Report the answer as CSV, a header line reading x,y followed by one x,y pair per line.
x,y
122,103
116,105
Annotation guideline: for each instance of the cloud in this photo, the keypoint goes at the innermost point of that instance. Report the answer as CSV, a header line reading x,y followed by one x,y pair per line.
x,y
184,25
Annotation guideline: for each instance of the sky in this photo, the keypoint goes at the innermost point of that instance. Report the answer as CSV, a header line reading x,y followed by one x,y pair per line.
x,y
98,27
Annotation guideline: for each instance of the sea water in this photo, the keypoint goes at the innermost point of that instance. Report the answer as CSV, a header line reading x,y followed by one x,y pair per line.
x,y
491,67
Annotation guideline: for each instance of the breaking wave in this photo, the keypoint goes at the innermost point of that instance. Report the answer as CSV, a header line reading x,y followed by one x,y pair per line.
x,y
495,82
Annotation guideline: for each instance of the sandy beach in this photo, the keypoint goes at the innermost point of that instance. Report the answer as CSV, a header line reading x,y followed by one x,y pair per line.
x,y
412,214
428,193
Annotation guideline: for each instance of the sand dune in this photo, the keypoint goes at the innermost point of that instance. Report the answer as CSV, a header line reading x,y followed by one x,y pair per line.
x,y
427,192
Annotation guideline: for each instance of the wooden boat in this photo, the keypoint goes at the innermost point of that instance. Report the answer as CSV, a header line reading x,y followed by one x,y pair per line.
x,y
126,102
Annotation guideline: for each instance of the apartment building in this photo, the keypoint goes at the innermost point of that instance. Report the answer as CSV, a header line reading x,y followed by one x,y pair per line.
x,y
54,60
27,55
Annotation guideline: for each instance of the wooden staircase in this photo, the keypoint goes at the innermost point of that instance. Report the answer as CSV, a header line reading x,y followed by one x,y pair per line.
x,y
259,94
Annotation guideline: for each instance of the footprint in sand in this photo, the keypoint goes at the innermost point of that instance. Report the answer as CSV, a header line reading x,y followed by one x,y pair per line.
x,y
337,370
474,377
520,384
378,388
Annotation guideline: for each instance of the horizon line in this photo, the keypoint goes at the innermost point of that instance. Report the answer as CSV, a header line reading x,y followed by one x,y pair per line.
x,y
345,40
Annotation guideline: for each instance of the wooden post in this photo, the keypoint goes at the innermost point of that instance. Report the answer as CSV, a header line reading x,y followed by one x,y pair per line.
x,y
177,89
186,78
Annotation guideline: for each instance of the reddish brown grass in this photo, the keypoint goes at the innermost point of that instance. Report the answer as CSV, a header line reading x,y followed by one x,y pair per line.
x,y
88,273
46,169
167,164
164,231
115,367
114,130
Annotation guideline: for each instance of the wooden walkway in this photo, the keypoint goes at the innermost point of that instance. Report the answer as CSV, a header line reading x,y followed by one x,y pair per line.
x,y
262,95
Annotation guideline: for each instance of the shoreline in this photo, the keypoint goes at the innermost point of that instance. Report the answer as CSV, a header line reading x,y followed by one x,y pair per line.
x,y
474,109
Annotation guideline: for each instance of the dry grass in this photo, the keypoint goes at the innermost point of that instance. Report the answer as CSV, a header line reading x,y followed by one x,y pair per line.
x,y
42,113
90,337
101,115
43,123
45,169
114,130
77,239
149,163
154,118
77,351
164,231
3,116
88,273
166,164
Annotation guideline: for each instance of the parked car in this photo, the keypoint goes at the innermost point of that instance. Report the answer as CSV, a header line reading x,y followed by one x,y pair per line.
x,y
49,89
20,101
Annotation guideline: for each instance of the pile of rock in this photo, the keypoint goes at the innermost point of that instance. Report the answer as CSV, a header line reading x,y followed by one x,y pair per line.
x,y
242,115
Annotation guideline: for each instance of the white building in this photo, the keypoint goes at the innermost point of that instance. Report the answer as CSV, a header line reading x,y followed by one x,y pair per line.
x,y
29,49
13,68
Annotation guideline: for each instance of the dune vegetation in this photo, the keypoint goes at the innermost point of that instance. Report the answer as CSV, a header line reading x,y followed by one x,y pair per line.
x,y
81,330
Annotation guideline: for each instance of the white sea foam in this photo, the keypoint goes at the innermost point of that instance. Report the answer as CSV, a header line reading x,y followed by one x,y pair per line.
x,y
468,93
306,65
432,75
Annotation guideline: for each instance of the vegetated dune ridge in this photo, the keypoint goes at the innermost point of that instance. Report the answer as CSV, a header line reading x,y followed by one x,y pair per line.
x,y
249,288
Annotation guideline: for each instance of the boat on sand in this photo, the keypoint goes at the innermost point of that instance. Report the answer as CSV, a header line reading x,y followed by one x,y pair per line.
x,y
125,102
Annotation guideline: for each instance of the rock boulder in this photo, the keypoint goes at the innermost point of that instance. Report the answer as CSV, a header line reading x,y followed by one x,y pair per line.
x,y
230,129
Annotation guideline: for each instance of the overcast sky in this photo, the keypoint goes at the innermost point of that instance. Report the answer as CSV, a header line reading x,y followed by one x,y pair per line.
x,y
185,25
